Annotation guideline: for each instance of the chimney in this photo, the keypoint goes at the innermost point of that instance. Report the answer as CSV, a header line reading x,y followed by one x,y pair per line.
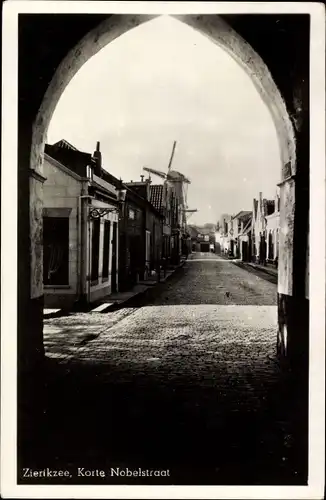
x,y
98,160
148,190
142,178
276,202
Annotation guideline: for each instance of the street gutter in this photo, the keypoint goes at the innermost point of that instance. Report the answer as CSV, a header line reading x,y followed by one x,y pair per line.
x,y
247,265
141,291
113,300
266,270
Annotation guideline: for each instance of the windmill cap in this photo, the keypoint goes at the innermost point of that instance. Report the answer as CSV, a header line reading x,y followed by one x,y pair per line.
x,y
175,174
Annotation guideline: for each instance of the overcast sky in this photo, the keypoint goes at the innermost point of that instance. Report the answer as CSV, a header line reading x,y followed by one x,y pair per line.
x,y
161,82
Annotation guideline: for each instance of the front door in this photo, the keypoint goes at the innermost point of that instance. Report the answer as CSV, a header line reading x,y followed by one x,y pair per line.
x,y
232,248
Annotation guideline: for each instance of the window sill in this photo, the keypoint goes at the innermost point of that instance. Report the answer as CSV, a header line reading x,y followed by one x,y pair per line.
x,y
57,287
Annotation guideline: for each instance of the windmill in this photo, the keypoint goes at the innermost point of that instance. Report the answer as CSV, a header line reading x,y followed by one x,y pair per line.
x,y
179,181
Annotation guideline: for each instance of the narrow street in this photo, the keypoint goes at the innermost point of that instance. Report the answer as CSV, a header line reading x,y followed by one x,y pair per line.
x,y
210,279
185,379
164,315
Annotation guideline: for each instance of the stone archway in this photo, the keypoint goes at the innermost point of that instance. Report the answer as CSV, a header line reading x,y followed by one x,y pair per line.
x,y
219,32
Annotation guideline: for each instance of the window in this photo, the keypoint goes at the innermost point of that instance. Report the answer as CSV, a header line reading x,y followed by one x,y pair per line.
x,y
148,246
56,250
95,249
131,214
106,249
89,172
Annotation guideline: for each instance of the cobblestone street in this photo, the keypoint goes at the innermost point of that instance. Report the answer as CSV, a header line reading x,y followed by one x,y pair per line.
x,y
185,378
209,279
164,267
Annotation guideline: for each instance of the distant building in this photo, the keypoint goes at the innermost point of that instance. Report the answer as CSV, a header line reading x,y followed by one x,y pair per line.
x,y
203,238
240,238
263,209
175,202
193,234
272,233
251,235
224,234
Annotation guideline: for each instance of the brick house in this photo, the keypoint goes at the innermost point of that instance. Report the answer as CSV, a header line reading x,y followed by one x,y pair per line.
x,y
141,237
160,202
164,198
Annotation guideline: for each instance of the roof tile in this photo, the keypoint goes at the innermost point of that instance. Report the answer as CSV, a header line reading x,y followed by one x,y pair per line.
x,y
156,196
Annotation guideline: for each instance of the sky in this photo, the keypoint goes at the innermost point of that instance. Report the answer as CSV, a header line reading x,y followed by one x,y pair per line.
x,y
164,81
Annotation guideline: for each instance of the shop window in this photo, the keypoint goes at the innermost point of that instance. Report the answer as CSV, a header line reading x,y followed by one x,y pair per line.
x,y
106,249
95,249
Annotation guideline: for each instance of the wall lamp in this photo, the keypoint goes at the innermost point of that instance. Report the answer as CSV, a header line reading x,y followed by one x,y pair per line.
x,y
97,213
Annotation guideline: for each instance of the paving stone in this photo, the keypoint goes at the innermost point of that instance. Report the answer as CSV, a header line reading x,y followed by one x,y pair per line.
x,y
188,374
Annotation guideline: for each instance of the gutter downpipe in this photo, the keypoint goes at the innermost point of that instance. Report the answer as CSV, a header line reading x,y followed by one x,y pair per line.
x,y
81,247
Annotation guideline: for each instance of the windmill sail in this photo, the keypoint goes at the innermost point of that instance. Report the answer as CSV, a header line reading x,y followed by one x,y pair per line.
x,y
172,155
156,172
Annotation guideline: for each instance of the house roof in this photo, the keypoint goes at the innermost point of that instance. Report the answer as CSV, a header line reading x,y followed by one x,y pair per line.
x,y
65,144
141,188
72,158
62,167
76,161
243,214
156,196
